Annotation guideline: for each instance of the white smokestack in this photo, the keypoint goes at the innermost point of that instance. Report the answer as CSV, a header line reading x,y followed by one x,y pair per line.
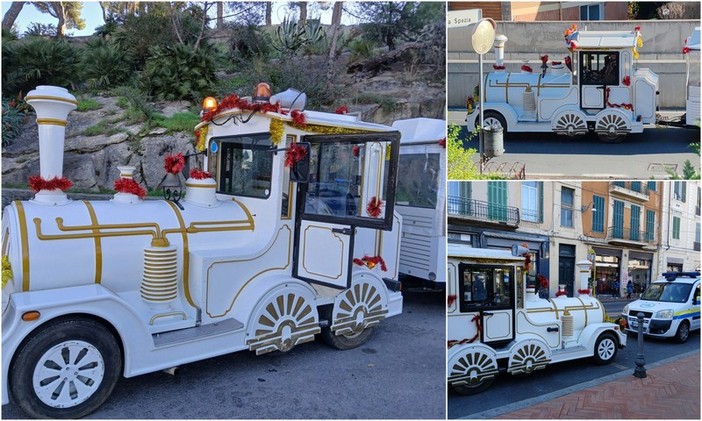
x,y
52,105
500,41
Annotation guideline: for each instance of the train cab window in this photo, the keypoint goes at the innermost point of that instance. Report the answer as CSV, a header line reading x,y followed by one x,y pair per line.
x,y
245,165
486,287
599,68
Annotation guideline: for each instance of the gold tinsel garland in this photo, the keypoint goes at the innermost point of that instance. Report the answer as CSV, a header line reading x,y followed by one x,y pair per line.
x,y
6,270
202,138
276,128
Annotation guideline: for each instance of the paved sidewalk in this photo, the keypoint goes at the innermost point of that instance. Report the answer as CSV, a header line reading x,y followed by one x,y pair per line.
x,y
671,391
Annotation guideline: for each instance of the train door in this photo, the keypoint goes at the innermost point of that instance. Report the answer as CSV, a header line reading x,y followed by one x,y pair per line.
x,y
351,185
598,70
489,291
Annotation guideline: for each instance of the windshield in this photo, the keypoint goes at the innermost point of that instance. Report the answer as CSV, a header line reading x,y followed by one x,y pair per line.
x,y
667,292
244,165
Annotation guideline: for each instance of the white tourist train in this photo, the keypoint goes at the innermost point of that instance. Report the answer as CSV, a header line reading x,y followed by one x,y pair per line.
x,y
288,231
497,323
598,87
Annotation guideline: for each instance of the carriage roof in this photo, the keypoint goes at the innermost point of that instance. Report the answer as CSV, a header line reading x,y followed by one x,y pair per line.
x,y
593,40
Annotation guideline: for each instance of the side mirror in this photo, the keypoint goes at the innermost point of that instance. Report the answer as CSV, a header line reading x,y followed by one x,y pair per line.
x,y
300,170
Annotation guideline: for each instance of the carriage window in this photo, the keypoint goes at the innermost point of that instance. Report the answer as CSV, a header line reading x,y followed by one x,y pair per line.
x,y
600,68
486,287
419,185
245,166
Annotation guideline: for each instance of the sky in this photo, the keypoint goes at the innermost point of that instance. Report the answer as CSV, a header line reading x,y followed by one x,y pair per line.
x,y
93,16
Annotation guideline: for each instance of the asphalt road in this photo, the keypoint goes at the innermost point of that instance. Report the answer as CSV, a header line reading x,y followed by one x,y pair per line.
x,y
639,156
509,393
398,374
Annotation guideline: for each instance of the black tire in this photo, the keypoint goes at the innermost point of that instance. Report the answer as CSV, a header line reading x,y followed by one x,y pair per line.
x,y
467,389
492,114
606,138
605,349
93,342
344,342
683,332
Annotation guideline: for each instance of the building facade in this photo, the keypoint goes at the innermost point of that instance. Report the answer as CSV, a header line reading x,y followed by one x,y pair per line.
x,y
680,232
529,11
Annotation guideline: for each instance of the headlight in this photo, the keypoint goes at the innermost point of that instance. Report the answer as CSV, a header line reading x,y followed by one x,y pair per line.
x,y
663,314
625,310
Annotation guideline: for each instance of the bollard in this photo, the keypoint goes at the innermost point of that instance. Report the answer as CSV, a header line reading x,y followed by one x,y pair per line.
x,y
640,370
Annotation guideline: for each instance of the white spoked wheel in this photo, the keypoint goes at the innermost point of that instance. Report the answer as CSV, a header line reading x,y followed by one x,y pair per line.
x,y
472,372
611,128
605,349
528,356
66,370
492,118
570,123
68,374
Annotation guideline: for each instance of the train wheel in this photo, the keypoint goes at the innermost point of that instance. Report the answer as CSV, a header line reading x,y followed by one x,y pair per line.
x,y
346,341
472,370
472,389
611,138
611,126
605,349
66,370
492,118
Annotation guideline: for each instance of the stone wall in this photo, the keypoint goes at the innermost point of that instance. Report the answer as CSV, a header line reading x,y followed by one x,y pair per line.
x,y
662,53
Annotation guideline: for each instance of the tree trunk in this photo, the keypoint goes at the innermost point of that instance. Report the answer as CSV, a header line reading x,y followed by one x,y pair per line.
x,y
103,6
303,12
61,15
11,16
336,23
269,13
220,15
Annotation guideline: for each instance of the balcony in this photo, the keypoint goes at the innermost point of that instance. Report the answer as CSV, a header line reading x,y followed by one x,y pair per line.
x,y
478,210
632,190
627,236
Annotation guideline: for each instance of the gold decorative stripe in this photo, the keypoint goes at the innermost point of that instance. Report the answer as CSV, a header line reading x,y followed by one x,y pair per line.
x,y
59,221
248,213
507,87
53,98
98,243
200,186
175,313
21,216
186,254
538,85
52,122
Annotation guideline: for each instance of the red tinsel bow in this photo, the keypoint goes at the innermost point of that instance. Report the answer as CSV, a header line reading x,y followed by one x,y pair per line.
x,y
342,110
543,282
496,67
451,299
556,63
356,150
174,163
686,50
374,207
526,68
36,183
199,174
298,117
637,28
233,101
559,293
626,81
128,185
584,291
294,154
544,59
442,142
573,46
371,262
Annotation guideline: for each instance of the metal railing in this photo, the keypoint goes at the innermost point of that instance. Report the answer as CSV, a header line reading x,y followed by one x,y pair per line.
x,y
627,234
483,211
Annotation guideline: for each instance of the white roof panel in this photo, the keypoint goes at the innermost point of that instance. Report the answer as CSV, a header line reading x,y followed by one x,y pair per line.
x,y
415,130
604,39
464,251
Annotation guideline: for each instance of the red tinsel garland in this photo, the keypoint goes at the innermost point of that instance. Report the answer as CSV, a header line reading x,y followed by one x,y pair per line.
x,y
623,105
556,63
476,320
543,281
374,207
626,81
199,174
294,154
527,68
128,185
584,291
342,109
451,299
371,261
174,163
544,59
36,183
233,101
686,50
298,117
442,142
356,150
559,293
496,67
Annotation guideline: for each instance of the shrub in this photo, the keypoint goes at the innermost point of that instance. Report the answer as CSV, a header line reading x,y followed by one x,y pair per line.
x,y
104,67
179,72
361,48
178,122
12,119
247,42
87,104
136,103
38,61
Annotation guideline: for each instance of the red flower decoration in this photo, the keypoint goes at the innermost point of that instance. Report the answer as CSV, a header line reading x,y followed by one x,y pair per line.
x,y
442,142
584,291
556,63
371,262
560,293
527,68
374,207
298,117
686,50
199,174
128,185
637,28
174,163
342,110
294,154
356,150
496,67
626,81
36,183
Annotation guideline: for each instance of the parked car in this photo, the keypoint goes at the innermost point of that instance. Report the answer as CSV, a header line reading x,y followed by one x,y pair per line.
x,y
670,305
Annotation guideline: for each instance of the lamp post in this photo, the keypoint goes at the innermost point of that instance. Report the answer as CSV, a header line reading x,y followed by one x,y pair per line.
x,y
482,38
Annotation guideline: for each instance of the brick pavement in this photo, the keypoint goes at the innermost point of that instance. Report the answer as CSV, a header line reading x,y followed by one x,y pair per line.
x,y
670,391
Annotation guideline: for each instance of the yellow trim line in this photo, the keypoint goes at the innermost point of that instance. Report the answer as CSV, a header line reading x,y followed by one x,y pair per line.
x,y
52,122
52,98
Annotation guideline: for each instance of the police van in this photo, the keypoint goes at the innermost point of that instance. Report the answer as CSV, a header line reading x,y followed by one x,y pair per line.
x,y
671,307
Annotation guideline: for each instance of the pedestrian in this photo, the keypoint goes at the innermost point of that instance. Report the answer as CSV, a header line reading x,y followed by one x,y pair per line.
x,y
629,289
616,289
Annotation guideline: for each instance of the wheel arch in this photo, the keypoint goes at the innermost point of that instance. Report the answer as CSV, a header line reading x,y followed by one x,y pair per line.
x,y
594,331
507,112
